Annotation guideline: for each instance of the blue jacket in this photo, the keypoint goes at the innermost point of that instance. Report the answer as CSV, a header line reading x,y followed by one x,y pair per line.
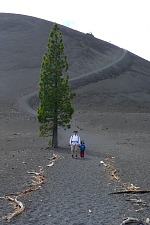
x,y
82,147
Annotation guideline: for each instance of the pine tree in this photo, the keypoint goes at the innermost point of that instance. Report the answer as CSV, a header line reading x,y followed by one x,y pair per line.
x,y
55,109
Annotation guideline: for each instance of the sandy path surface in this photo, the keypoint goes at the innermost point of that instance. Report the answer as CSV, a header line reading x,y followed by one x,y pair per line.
x,y
75,191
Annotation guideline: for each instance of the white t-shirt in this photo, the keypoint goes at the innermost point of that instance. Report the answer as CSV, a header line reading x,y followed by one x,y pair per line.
x,y
75,140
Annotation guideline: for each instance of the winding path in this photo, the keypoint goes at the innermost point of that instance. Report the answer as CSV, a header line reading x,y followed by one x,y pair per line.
x,y
107,72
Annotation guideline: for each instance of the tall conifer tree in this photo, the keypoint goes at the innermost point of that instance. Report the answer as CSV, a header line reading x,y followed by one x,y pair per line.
x,y
55,109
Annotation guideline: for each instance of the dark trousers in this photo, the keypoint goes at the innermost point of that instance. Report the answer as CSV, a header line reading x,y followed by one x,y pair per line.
x,y
81,153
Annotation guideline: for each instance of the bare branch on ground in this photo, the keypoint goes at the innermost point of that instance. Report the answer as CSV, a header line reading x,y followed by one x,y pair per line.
x,y
19,208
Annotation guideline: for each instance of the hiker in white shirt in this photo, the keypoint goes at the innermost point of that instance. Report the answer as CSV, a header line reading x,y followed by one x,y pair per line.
x,y
74,143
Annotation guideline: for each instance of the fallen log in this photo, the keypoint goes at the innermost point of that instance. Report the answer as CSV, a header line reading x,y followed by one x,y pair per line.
x,y
130,192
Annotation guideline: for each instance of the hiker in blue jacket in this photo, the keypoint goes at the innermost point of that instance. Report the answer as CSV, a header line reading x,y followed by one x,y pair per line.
x,y
82,149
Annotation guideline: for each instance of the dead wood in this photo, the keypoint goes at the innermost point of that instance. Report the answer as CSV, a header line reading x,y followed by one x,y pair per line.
x,y
129,220
29,190
37,180
33,172
40,173
38,177
138,210
51,164
113,174
137,201
131,187
131,192
19,208
24,192
55,158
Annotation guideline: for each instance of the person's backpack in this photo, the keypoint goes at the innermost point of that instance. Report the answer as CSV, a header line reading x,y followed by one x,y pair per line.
x,y
72,138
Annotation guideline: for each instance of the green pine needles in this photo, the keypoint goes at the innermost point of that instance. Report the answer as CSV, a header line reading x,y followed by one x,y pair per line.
x,y
55,109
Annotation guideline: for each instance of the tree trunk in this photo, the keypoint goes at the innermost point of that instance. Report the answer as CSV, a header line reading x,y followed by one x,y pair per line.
x,y
55,125
55,138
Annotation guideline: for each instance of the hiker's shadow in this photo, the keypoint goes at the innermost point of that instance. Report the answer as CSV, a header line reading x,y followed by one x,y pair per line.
x,y
83,158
